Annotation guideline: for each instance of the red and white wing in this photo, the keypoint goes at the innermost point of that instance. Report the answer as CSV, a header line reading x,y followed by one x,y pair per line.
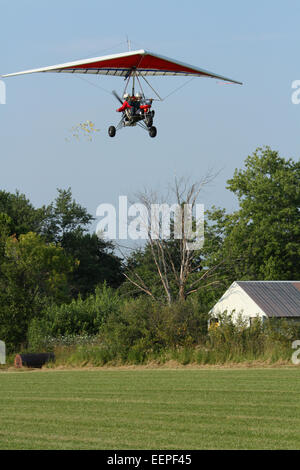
x,y
143,62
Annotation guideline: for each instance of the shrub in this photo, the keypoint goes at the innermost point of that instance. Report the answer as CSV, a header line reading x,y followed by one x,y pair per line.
x,y
78,318
142,327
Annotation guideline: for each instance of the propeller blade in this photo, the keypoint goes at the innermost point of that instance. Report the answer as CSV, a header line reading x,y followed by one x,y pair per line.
x,y
117,96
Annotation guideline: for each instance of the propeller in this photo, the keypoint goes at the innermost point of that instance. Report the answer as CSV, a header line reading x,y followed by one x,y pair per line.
x,y
117,96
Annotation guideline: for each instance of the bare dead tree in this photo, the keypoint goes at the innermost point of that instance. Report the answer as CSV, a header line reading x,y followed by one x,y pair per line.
x,y
176,263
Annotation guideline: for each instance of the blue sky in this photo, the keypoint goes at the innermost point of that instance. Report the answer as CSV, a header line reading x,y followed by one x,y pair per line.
x,y
206,125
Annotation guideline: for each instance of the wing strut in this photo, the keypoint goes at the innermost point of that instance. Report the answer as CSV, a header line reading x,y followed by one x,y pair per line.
x,y
160,99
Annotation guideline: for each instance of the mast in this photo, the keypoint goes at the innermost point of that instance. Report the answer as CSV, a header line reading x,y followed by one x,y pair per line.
x,y
133,81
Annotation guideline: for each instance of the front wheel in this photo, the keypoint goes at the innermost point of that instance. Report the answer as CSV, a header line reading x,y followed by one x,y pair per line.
x,y
111,131
152,131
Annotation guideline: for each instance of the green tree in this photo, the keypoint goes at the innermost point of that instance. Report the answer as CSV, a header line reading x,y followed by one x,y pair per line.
x,y
67,223
32,273
65,216
263,236
5,225
23,216
97,263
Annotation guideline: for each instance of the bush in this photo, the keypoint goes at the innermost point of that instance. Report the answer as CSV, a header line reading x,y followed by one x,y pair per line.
x,y
38,334
144,327
78,318
237,341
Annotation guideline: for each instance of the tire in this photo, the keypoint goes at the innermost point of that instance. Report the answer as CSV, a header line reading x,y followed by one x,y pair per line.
x,y
152,131
111,131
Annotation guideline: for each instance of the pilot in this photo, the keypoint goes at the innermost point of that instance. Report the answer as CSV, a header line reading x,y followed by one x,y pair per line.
x,y
137,102
138,96
125,104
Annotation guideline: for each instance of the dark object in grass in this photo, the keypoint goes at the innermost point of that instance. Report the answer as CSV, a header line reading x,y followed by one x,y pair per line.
x,y
33,360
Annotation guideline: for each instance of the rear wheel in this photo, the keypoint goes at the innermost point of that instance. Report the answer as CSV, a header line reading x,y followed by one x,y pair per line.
x,y
111,131
152,131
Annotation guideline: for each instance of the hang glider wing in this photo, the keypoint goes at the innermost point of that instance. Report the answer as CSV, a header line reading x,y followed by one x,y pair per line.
x,y
143,62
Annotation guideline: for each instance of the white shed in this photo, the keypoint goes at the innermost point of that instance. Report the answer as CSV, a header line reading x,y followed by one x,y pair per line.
x,y
263,299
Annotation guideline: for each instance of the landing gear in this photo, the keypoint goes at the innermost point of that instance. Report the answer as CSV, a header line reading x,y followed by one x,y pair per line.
x,y
152,131
111,131
149,121
132,120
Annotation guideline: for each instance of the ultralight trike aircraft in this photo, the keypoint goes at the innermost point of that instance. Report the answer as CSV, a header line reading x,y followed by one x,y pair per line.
x,y
134,67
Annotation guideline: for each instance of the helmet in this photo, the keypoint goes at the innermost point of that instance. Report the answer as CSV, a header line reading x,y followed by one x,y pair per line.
x,y
126,96
138,95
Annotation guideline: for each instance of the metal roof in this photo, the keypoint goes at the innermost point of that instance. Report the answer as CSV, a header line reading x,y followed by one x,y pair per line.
x,y
275,298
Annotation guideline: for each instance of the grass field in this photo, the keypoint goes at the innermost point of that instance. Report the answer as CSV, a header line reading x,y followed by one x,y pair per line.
x,y
151,409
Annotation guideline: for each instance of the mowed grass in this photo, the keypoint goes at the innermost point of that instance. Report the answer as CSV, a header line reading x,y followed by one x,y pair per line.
x,y
151,409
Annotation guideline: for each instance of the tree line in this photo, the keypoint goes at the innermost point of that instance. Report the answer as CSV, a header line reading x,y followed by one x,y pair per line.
x,y
51,265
